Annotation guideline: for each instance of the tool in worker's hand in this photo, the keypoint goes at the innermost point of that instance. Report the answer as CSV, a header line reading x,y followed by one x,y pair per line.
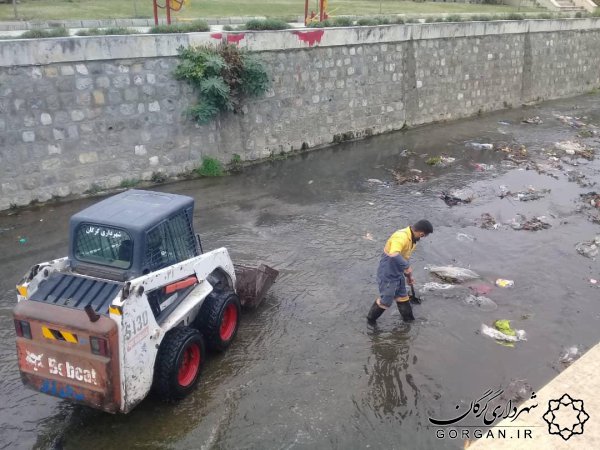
x,y
413,296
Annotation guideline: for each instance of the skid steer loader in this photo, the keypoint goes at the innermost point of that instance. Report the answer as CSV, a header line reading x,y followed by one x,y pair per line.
x,y
133,307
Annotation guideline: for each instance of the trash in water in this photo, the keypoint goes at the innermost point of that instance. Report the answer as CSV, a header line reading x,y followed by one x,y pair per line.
x,y
592,198
480,167
433,286
481,289
464,237
368,237
22,240
503,122
453,274
500,282
576,149
569,355
534,224
480,146
310,182
481,302
573,122
533,120
456,198
440,161
487,222
589,249
503,332
517,391
576,176
525,196
511,150
593,281
374,181
403,179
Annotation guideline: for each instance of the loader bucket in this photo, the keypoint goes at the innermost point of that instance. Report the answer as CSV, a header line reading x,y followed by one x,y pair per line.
x,y
252,283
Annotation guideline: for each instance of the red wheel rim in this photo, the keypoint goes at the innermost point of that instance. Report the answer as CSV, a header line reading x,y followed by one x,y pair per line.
x,y
229,322
190,363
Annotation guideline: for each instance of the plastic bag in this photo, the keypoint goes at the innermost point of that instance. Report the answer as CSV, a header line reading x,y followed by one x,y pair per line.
x,y
481,302
453,274
433,286
503,332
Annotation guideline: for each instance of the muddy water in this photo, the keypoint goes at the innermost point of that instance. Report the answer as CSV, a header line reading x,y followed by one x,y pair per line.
x,y
306,371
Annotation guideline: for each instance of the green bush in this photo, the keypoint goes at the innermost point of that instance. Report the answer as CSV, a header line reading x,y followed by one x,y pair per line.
x,y
228,28
482,18
51,33
266,24
366,22
325,24
236,164
596,13
222,76
196,26
544,16
454,18
105,31
342,22
515,16
210,168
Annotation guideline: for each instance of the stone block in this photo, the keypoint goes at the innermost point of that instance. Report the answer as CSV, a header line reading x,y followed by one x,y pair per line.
x,y
81,69
77,115
28,136
88,157
83,84
67,70
98,96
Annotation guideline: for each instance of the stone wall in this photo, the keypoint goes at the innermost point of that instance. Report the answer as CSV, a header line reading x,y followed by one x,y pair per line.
x,y
77,114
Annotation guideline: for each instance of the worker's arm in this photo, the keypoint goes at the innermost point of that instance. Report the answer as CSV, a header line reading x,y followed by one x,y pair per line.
x,y
393,249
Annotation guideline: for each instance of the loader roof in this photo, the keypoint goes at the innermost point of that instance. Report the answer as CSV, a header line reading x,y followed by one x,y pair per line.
x,y
134,210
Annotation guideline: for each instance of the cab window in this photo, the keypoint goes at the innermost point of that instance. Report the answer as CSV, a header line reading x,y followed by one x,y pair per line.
x,y
99,244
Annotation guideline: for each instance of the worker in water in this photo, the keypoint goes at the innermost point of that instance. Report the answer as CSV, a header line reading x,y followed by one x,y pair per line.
x,y
394,271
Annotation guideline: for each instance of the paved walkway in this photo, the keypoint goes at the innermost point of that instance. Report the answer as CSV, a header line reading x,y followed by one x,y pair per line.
x,y
581,381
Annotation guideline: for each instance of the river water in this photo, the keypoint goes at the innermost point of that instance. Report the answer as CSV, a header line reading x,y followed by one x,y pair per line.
x,y
306,371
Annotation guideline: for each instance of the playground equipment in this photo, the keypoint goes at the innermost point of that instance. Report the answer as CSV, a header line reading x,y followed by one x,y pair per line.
x,y
322,7
170,5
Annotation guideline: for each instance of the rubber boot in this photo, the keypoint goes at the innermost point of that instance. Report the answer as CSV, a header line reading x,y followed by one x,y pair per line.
x,y
405,311
374,313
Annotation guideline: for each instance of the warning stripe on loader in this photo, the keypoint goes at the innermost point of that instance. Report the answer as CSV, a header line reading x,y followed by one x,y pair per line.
x,y
59,335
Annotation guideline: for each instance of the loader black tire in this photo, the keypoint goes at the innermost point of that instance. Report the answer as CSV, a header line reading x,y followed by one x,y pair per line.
x,y
179,363
219,319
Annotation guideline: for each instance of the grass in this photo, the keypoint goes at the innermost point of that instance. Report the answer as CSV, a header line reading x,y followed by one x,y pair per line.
x,y
210,167
113,9
105,31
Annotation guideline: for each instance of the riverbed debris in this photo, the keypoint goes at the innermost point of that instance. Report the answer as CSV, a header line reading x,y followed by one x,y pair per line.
x,y
503,333
487,222
480,146
457,197
433,286
573,122
501,282
535,120
520,222
440,161
481,167
525,196
401,178
574,148
576,176
481,289
481,302
569,355
452,274
589,249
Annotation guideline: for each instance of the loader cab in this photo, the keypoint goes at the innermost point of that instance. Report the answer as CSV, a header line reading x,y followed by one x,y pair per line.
x,y
132,234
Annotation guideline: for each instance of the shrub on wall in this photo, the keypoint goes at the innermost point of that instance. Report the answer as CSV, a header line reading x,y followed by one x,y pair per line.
x,y
55,32
105,31
196,26
265,24
222,76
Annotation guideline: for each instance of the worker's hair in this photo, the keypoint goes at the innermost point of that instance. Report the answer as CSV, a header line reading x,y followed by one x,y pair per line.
x,y
424,226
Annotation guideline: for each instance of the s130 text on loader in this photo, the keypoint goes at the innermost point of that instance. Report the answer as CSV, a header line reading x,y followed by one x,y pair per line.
x,y
133,306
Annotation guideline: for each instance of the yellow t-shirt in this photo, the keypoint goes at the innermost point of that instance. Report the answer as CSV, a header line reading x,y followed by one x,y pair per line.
x,y
400,242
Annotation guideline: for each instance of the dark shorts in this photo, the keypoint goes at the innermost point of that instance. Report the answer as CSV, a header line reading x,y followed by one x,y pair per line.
x,y
391,289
